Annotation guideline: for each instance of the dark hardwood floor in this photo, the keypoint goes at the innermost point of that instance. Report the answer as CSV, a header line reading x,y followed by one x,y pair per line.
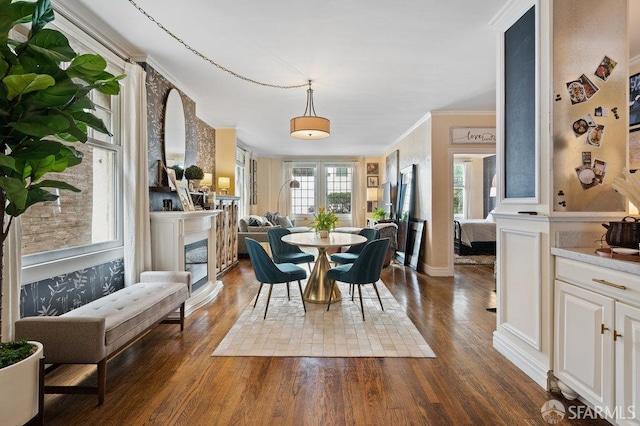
x,y
169,377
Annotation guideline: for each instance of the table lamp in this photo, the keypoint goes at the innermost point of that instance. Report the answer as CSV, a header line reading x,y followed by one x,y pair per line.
x,y
224,183
372,196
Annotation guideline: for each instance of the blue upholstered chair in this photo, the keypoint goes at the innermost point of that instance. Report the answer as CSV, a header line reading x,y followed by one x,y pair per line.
x,y
268,272
286,253
353,252
365,270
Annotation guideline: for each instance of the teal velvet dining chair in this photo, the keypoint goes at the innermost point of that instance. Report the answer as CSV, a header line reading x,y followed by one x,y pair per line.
x,y
286,253
268,272
352,253
365,270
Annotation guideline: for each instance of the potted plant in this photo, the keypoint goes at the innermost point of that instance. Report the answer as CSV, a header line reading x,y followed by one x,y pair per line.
x,y
379,214
179,171
324,222
194,174
20,370
46,107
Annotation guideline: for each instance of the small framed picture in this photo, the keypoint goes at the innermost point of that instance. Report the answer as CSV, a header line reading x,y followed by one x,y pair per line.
x,y
372,168
372,181
634,102
182,190
171,178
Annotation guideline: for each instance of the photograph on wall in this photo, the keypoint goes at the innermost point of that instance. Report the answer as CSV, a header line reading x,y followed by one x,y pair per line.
x,y
372,181
373,169
605,68
581,90
182,190
591,175
634,102
583,124
595,136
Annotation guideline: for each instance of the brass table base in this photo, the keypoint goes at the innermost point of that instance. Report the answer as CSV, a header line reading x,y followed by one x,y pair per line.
x,y
318,285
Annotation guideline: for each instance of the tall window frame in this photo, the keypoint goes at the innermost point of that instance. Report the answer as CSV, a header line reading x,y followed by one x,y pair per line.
x,y
49,263
329,184
459,190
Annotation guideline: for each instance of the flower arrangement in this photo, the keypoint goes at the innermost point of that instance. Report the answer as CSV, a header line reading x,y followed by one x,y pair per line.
x,y
324,221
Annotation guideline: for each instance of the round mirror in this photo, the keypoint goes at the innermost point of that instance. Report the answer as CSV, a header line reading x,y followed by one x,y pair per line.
x,y
174,131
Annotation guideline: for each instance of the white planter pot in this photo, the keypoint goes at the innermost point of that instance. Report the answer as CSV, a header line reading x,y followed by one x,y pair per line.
x,y
19,384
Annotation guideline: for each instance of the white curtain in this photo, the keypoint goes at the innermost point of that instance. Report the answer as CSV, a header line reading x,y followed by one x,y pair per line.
x,y
11,280
137,232
359,203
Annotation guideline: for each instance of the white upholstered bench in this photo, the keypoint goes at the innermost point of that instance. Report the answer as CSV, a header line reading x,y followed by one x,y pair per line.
x,y
95,332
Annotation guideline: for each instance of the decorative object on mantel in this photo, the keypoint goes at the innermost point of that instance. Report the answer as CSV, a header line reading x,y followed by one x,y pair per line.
x,y
194,174
310,126
206,182
224,183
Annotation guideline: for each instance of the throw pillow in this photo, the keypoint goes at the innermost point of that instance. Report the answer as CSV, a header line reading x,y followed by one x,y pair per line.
x,y
285,222
243,223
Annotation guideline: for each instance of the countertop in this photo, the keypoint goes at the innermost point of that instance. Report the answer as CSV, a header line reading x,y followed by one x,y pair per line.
x,y
588,255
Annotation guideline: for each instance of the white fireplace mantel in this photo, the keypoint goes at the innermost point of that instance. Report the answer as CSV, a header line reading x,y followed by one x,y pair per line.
x,y
170,232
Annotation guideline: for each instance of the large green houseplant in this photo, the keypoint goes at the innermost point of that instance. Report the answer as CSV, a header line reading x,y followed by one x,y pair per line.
x,y
45,107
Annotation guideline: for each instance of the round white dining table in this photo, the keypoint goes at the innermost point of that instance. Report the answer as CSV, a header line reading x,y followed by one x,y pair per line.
x,y
318,286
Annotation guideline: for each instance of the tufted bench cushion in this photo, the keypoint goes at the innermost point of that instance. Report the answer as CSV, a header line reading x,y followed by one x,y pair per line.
x,y
132,310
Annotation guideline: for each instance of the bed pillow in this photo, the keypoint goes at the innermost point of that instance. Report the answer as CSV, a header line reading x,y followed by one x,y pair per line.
x,y
490,217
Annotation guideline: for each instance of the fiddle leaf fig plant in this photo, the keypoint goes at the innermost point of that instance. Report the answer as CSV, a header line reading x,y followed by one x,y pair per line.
x,y
45,107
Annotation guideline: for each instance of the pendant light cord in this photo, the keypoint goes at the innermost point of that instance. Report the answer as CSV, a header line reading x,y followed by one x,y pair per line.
x,y
211,61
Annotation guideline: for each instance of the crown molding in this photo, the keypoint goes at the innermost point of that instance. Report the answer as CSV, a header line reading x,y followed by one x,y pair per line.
x,y
99,30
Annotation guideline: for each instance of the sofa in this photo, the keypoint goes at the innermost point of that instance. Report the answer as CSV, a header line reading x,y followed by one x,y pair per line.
x,y
97,331
256,227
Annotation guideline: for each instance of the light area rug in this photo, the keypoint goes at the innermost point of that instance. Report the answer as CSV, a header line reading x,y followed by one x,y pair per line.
x,y
474,260
340,332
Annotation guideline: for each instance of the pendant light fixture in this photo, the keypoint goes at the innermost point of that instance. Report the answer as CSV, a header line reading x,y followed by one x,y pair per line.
x,y
309,125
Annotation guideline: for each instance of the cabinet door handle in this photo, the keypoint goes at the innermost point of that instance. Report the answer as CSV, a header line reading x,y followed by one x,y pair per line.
x,y
616,335
603,328
610,284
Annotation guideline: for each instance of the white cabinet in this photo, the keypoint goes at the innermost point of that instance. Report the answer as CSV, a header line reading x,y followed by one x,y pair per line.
x,y
597,337
627,348
584,343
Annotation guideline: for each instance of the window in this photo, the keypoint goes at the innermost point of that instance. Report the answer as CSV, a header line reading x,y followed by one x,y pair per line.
x,y
458,190
338,192
334,191
88,221
303,199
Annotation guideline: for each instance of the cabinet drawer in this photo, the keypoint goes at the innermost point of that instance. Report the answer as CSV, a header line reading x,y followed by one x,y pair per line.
x,y
600,279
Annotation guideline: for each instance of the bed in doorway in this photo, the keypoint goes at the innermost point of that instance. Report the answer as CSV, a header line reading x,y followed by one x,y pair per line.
x,y
474,236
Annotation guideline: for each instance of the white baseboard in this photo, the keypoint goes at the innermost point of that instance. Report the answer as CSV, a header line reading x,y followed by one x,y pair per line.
x,y
521,360
436,272
202,296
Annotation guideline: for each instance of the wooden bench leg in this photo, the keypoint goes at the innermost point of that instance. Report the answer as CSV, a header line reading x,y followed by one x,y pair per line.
x,y
102,380
182,317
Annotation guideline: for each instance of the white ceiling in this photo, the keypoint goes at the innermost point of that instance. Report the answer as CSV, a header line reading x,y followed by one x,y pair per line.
x,y
377,67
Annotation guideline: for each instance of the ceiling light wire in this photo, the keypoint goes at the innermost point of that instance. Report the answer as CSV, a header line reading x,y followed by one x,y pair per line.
x,y
211,61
